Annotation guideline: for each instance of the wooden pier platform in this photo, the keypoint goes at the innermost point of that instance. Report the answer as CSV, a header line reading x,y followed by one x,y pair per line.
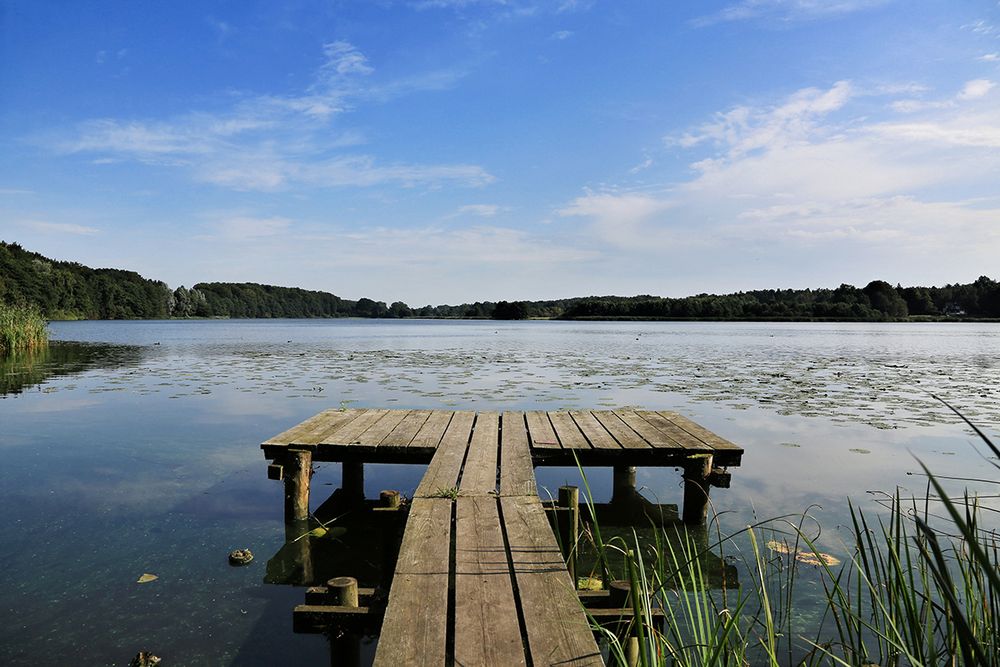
x,y
480,578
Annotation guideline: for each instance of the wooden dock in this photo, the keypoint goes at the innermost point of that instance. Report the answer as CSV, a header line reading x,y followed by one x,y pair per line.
x,y
480,578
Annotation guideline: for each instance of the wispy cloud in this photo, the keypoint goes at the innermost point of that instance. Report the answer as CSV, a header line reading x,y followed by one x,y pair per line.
x,y
241,227
809,170
59,228
989,57
786,10
561,35
273,142
481,210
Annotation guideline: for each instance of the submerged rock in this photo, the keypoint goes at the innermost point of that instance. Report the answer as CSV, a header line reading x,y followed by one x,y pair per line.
x,y
144,659
240,557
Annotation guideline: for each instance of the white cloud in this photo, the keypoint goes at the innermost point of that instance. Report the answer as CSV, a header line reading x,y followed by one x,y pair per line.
x,y
808,170
561,35
743,130
989,57
482,210
786,10
975,89
59,228
245,227
271,142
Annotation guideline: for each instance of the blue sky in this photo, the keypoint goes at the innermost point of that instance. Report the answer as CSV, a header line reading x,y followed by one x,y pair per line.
x,y
440,151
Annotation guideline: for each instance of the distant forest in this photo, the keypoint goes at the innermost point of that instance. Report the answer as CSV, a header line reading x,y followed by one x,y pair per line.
x,y
68,290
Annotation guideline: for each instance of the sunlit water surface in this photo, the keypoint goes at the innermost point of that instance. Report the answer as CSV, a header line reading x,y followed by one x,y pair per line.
x,y
134,448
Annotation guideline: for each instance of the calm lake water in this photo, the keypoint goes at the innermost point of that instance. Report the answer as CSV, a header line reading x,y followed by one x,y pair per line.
x,y
132,447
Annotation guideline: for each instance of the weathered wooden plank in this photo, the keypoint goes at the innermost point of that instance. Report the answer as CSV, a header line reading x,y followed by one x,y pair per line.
x,y
349,432
517,474
597,435
675,432
621,432
540,430
433,430
716,442
479,476
558,631
407,429
414,631
377,432
649,433
487,631
446,466
315,424
567,432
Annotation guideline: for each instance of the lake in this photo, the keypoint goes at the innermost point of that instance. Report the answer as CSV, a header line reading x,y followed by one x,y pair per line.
x,y
133,447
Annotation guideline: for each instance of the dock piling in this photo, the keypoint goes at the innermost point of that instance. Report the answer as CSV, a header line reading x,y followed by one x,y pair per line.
x,y
352,480
697,473
569,526
623,484
297,469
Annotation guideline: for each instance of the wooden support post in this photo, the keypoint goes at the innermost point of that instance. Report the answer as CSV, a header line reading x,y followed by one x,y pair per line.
x,y
697,470
352,480
623,484
297,468
301,549
569,526
389,499
345,647
619,591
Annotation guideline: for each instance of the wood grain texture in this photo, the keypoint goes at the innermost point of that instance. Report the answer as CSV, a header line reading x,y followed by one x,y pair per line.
x,y
595,433
517,474
649,433
540,430
479,476
446,466
716,442
414,631
348,433
569,434
487,631
376,433
407,429
675,432
557,627
621,432
433,430
310,428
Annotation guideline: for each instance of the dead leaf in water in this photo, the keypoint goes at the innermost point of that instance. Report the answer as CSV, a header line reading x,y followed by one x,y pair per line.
x,y
146,578
817,559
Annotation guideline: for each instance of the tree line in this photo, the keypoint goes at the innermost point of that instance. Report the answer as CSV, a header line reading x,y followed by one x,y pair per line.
x,y
68,290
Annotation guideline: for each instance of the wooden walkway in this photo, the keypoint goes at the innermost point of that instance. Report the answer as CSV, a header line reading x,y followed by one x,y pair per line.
x,y
480,579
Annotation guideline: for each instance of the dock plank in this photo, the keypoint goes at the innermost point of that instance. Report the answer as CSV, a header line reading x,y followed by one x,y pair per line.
x,y
433,430
557,627
540,430
311,427
414,631
407,429
679,435
621,432
595,433
487,631
446,466
479,476
566,429
517,474
717,443
377,432
649,433
349,432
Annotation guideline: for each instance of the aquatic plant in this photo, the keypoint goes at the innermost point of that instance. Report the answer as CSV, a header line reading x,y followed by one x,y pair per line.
x,y
918,589
22,328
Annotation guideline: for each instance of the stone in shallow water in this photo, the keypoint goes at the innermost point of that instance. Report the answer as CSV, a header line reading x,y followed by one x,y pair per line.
x,y
240,557
144,659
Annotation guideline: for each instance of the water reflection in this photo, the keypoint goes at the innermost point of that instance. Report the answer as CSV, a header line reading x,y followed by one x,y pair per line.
x,y
24,370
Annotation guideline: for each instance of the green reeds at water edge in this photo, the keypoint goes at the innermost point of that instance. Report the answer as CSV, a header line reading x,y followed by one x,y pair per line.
x,y
921,587
22,328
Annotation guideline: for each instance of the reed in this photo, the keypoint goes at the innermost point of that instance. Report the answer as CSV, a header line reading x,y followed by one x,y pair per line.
x,y
22,328
920,588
